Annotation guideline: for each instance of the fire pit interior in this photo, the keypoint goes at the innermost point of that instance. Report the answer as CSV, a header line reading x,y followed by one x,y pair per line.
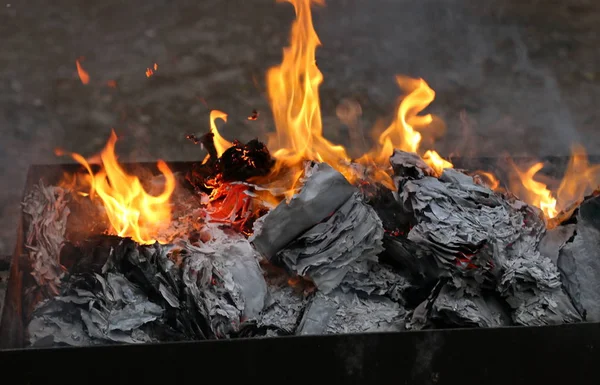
x,y
291,235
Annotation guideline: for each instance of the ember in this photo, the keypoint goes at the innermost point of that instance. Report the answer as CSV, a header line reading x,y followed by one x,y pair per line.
x,y
83,75
305,239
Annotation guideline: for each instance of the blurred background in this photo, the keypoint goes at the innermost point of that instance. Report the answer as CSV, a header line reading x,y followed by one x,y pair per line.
x,y
516,77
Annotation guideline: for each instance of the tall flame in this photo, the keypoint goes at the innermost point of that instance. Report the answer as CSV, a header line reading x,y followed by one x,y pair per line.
x,y
293,90
131,211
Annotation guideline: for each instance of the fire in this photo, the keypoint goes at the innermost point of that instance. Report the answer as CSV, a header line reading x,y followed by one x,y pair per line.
x,y
401,133
221,143
436,162
83,75
537,192
131,211
490,179
580,179
151,71
293,90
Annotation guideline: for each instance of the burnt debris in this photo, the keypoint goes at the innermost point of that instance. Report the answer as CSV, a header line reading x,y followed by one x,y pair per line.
x,y
439,251
238,163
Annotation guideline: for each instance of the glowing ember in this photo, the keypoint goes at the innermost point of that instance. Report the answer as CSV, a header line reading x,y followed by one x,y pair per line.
x,y
151,71
131,211
83,75
112,83
254,115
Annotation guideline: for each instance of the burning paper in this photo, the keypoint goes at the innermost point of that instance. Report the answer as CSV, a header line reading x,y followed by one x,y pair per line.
x,y
313,244
477,234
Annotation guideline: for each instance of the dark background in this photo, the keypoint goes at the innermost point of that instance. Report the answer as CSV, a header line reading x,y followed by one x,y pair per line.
x,y
525,74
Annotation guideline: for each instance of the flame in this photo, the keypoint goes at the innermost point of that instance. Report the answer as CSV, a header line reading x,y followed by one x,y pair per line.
x,y
131,211
538,193
579,180
436,162
401,134
150,71
221,143
83,75
491,181
293,90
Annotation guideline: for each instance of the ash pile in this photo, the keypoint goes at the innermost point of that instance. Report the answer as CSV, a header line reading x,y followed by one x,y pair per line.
x,y
440,251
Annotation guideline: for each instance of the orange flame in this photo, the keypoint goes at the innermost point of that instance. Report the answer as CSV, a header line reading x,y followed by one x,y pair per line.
x,y
436,162
490,179
537,192
150,71
401,134
221,143
131,211
579,180
83,75
293,89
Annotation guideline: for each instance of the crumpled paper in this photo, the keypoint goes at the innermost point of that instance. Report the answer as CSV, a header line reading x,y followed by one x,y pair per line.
x,y
455,302
95,309
327,251
466,226
157,293
322,231
579,260
283,309
226,281
46,210
373,278
339,312
474,233
323,192
461,304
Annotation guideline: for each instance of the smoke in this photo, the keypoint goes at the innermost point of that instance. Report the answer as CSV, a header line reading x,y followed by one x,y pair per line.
x,y
477,60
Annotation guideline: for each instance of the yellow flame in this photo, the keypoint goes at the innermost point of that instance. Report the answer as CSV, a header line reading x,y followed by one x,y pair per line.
x,y
401,133
293,90
538,193
436,162
579,180
132,212
221,143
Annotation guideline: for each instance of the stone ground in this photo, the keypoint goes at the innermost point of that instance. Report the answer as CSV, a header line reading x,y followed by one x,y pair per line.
x,y
525,74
